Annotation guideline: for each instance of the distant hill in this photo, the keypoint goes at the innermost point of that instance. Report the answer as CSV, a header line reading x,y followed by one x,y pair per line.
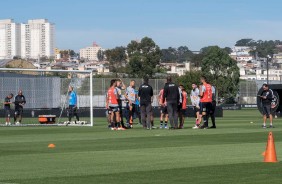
x,y
21,64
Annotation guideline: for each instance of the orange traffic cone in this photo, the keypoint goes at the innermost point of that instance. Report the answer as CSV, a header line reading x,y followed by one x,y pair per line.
x,y
270,152
51,146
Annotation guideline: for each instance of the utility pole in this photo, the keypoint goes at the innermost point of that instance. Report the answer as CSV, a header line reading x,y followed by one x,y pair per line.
x,y
267,68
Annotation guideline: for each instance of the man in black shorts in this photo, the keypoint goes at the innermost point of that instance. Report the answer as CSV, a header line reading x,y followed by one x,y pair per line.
x,y
7,107
206,101
120,86
163,110
266,99
112,104
182,110
19,103
213,107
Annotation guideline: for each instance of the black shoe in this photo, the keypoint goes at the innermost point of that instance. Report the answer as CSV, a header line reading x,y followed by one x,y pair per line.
x,y
213,127
202,127
271,126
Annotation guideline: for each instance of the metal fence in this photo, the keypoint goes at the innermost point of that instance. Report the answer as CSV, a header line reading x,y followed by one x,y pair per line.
x,y
51,92
43,92
248,90
101,85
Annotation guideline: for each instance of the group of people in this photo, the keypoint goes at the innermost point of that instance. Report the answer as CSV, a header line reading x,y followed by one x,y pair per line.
x,y
19,102
172,101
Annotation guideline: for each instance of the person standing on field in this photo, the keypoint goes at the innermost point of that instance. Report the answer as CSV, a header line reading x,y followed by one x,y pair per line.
x,y
113,105
182,112
266,100
72,104
163,110
19,104
145,94
213,107
195,100
130,95
206,101
172,97
120,86
137,107
7,107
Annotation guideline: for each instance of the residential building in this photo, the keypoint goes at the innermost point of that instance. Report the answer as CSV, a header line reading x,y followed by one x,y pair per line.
x,y
37,39
90,53
57,53
9,39
179,69
244,58
277,58
241,53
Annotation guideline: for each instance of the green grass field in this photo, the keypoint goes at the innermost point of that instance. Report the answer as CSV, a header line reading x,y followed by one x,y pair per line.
x,y
229,154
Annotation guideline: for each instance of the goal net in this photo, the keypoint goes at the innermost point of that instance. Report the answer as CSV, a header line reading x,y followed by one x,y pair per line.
x,y
53,97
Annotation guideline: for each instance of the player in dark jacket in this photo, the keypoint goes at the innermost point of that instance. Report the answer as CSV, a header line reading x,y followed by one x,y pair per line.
x,y
172,97
145,94
19,104
266,100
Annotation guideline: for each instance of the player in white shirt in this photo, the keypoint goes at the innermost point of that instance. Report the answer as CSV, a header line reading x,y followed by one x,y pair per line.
x,y
195,99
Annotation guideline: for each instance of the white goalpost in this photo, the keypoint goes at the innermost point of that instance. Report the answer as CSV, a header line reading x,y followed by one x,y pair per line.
x,y
47,96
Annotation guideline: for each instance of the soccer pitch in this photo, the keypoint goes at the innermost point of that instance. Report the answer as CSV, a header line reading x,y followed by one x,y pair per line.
x,y
229,154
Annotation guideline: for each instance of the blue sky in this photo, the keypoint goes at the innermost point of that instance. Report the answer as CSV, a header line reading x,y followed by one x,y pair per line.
x,y
194,23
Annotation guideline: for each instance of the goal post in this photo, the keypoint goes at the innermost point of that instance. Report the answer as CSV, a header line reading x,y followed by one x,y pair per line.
x,y
48,92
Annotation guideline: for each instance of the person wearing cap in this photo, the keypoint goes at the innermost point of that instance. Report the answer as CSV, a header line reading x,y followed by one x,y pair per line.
x,y
7,107
19,104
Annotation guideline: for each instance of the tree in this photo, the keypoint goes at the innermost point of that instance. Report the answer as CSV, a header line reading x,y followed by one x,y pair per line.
x,y
197,59
183,54
17,57
144,57
169,55
100,55
116,57
222,71
244,42
134,67
72,53
265,48
67,53
228,50
260,48
189,78
179,55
